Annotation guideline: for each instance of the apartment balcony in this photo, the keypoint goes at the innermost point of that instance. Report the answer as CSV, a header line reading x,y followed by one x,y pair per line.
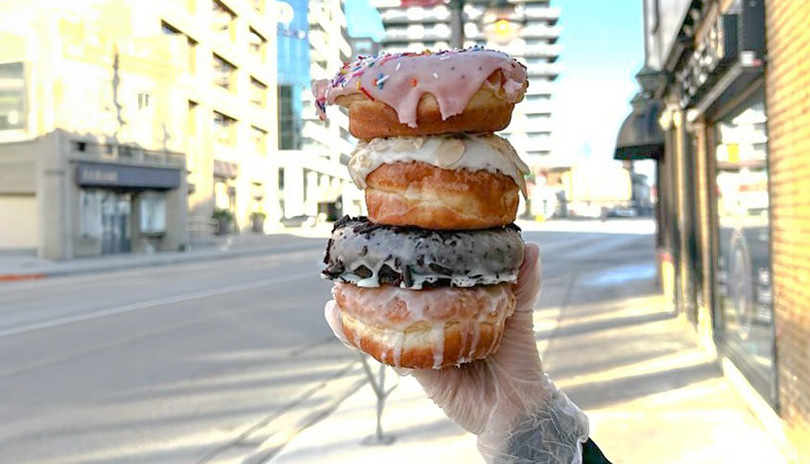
x,y
418,33
439,14
538,107
550,51
543,69
541,31
549,14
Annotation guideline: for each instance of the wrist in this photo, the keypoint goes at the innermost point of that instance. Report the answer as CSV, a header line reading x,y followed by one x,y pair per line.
x,y
551,432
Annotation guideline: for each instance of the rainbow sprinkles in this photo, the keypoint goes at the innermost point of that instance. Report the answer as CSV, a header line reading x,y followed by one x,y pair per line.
x,y
400,79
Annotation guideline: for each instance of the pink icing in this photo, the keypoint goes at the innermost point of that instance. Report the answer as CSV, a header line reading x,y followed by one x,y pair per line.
x,y
400,80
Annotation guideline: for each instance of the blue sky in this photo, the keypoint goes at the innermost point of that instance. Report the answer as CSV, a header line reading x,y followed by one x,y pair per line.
x,y
603,48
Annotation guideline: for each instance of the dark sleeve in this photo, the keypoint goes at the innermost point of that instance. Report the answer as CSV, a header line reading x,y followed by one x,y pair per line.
x,y
591,454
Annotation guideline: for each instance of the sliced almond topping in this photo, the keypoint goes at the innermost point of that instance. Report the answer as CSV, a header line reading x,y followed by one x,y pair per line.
x,y
449,152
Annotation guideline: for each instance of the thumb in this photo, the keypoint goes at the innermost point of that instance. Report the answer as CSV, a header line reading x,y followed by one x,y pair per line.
x,y
528,285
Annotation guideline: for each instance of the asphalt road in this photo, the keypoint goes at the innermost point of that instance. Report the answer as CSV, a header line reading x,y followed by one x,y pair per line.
x,y
201,362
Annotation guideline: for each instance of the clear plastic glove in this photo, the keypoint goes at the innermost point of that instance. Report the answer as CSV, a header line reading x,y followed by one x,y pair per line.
x,y
506,399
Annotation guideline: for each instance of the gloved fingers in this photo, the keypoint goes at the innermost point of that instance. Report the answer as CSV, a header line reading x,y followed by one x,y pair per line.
x,y
332,315
528,286
465,393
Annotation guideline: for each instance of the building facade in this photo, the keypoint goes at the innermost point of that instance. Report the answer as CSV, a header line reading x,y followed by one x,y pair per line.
x,y
91,119
228,82
313,180
724,85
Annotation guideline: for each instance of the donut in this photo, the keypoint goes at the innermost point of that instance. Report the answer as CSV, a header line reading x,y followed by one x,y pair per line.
x,y
440,182
432,328
373,255
404,94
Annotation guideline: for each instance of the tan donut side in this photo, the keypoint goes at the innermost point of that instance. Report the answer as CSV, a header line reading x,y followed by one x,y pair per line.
x,y
426,328
418,194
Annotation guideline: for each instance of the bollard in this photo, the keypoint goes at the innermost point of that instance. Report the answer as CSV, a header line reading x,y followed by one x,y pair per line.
x,y
377,382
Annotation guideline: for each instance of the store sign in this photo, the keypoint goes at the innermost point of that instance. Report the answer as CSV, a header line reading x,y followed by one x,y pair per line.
x,y
716,52
118,175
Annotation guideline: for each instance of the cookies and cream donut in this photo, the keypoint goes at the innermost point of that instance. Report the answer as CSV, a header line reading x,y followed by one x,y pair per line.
x,y
452,91
372,255
450,182
432,328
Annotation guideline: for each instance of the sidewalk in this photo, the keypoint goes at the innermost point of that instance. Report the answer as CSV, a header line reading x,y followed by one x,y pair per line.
x,y
24,267
650,394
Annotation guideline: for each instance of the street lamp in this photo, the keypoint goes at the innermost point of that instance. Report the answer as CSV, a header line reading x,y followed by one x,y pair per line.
x,y
501,22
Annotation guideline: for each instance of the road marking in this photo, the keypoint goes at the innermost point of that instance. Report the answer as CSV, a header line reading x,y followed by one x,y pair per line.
x,y
152,303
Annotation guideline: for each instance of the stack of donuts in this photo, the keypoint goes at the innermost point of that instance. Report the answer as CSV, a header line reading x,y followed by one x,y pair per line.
x,y
426,280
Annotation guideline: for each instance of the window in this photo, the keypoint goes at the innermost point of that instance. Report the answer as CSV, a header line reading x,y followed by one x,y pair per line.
x,y
281,179
259,138
257,44
289,117
191,135
191,44
191,49
224,73
258,92
144,99
224,129
12,96
258,6
538,97
538,118
168,29
744,294
224,21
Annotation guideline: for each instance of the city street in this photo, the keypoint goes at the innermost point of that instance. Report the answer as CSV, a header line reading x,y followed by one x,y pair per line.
x,y
204,361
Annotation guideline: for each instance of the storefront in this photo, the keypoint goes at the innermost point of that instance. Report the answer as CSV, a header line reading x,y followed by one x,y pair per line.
x,y
713,182
122,208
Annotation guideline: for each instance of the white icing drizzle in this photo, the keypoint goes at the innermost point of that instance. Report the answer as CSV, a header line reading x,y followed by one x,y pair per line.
x,y
477,152
438,345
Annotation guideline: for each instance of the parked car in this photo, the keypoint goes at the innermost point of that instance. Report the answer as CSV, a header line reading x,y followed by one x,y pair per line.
x,y
622,212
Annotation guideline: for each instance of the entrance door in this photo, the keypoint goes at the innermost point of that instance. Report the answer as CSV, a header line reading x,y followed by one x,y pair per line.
x,y
116,216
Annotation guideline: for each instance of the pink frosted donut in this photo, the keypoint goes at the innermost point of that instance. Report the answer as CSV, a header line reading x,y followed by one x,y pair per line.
x,y
452,91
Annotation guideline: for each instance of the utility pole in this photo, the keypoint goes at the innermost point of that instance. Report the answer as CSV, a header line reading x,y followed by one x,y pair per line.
x,y
457,23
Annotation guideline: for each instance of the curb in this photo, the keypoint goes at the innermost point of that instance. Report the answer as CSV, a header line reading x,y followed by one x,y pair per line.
x,y
19,277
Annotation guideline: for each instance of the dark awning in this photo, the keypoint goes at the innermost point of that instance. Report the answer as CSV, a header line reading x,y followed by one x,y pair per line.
x,y
640,136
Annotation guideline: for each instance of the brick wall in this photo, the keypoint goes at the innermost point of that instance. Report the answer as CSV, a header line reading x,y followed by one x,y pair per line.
x,y
788,100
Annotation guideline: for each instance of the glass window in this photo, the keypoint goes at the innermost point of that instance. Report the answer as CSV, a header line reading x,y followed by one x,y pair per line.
x,y
743,310
259,137
224,73
224,129
289,120
257,44
224,21
258,92
90,213
12,96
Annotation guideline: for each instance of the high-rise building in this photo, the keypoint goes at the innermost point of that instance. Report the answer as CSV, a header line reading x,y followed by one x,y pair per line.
x,y
416,28
229,83
313,153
